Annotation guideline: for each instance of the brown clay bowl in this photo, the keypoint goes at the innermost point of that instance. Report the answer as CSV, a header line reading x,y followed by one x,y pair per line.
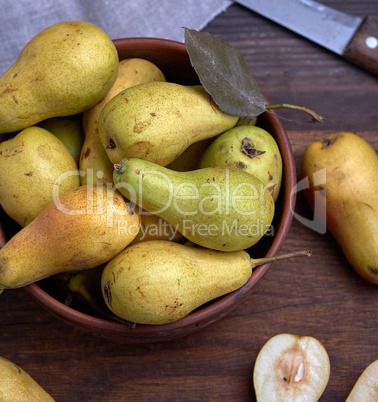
x,y
171,57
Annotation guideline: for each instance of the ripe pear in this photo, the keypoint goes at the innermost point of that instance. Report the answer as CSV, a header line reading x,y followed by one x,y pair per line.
x,y
158,282
157,121
35,168
366,387
348,197
291,368
82,229
69,130
17,385
250,148
219,208
94,162
64,70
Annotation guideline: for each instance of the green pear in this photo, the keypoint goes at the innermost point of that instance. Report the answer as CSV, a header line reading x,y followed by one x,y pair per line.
x,y
82,229
366,387
94,162
219,208
249,148
158,282
291,368
35,168
69,130
64,70
17,385
157,121
347,197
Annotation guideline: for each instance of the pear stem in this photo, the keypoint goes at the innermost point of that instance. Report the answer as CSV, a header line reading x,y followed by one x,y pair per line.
x,y
315,116
259,261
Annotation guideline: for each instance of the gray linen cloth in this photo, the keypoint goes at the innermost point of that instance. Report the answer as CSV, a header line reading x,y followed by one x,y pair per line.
x,y
20,20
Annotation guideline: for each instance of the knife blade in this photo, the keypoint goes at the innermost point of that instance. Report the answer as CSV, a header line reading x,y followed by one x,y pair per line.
x,y
352,37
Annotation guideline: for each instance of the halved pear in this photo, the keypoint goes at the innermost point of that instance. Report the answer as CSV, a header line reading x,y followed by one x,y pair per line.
x,y
291,368
366,387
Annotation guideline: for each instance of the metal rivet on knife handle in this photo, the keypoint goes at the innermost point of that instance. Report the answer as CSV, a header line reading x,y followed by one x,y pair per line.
x,y
371,42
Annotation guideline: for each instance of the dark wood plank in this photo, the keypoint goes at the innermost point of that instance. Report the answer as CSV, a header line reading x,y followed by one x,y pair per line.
x,y
319,296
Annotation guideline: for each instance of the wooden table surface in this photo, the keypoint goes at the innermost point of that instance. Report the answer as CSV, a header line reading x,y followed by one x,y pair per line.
x,y
320,296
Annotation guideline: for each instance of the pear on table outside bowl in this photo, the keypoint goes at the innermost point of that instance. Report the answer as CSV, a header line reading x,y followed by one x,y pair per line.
x,y
291,368
17,385
366,387
342,171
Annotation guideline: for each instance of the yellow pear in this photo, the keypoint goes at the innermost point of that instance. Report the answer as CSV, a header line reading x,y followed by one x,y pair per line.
x,y
94,162
35,168
82,229
291,368
347,197
16,385
157,121
158,281
64,70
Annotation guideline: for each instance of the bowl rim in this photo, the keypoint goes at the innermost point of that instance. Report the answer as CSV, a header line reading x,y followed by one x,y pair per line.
x,y
221,307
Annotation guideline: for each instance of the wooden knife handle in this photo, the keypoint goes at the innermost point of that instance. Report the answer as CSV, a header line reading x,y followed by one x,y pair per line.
x,y
362,50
